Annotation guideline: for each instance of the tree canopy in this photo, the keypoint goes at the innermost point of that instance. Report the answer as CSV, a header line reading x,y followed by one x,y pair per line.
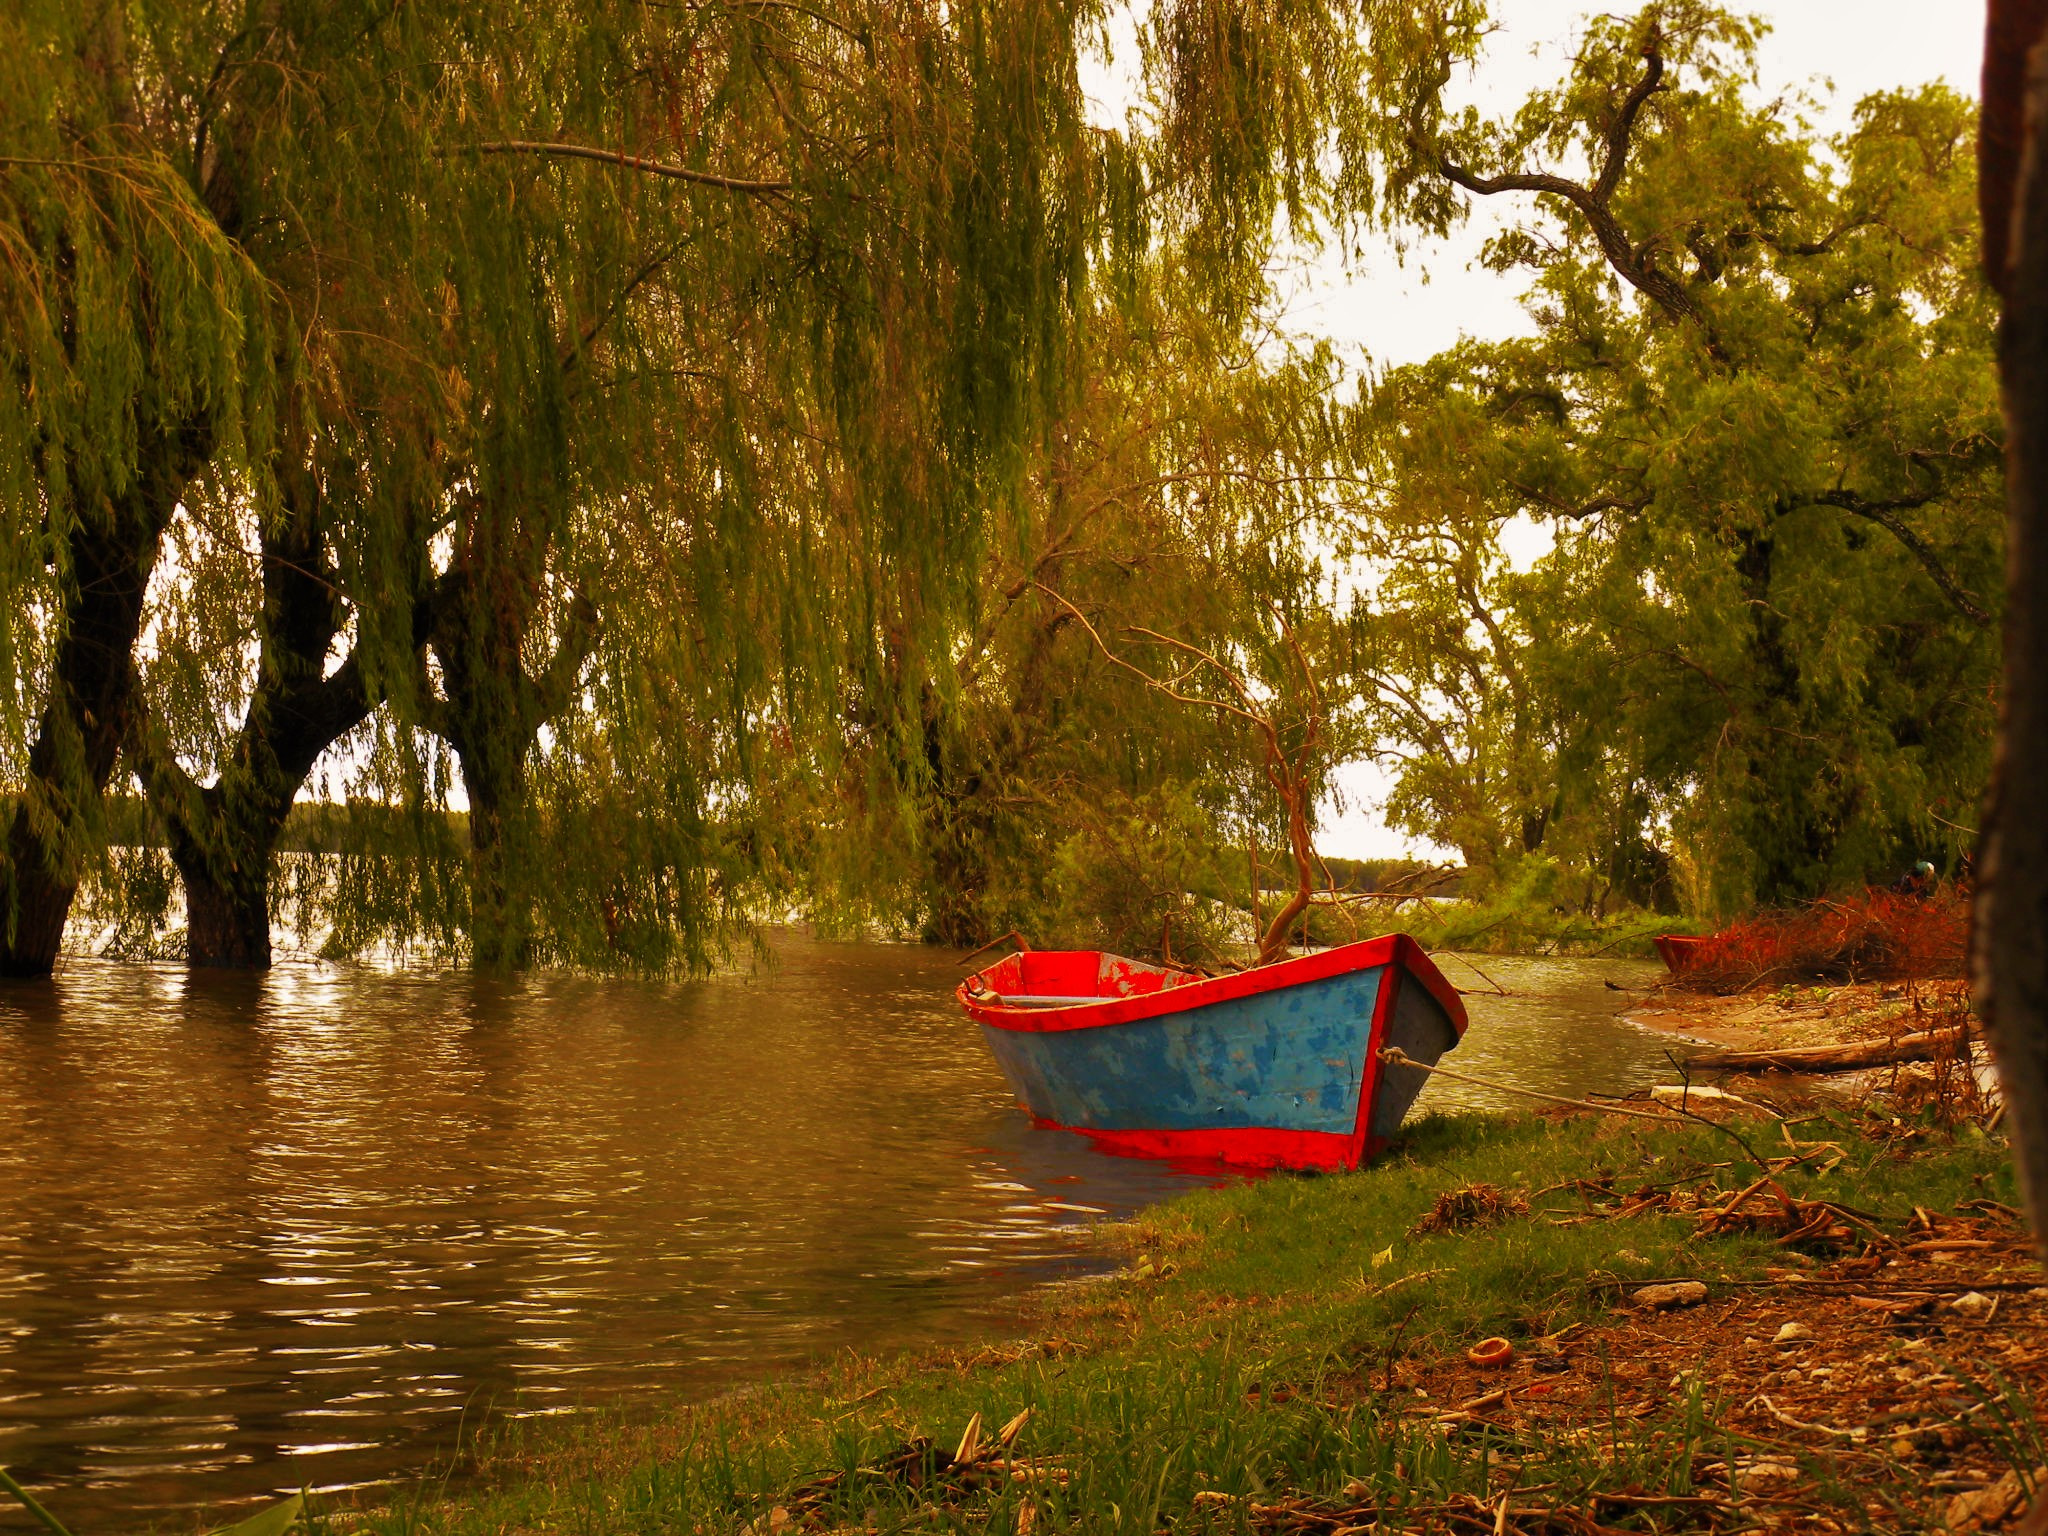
x,y
1757,422
558,483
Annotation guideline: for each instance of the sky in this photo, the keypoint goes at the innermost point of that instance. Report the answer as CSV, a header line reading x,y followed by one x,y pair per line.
x,y
1389,312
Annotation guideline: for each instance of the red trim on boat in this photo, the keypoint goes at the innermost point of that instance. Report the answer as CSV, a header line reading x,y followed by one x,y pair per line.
x,y
1678,950
1369,1089
1237,1146
1396,948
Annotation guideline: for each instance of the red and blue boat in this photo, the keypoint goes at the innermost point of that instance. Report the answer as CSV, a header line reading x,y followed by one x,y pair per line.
x,y
1275,1067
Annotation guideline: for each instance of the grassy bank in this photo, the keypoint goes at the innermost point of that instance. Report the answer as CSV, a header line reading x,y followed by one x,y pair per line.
x,y
1292,1356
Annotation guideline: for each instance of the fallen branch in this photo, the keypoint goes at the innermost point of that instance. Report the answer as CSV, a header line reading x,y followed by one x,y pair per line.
x,y
1928,1045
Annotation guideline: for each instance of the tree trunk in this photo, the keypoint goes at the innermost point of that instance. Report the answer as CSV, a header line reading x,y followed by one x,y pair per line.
x,y
1926,1045
2011,939
78,740
223,837
500,903
227,927
483,610
222,840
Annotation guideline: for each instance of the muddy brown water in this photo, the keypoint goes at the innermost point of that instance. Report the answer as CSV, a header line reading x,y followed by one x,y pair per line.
x,y
297,1230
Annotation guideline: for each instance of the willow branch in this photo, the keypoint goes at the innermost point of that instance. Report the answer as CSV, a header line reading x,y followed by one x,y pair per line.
x,y
666,168
1139,672
1237,685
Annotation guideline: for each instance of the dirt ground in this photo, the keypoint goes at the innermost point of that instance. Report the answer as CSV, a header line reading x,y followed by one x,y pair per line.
x,y
1904,1375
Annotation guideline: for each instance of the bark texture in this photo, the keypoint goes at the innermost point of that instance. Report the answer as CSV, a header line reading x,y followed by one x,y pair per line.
x,y
483,618
2011,938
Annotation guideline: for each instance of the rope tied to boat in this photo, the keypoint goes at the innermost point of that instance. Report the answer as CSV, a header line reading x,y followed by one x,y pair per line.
x,y
1394,1056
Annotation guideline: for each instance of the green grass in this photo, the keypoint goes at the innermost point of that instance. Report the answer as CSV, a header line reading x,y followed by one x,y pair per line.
x,y
1510,927
1164,1382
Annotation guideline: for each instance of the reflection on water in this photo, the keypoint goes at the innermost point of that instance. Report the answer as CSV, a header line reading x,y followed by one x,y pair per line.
x,y
259,1232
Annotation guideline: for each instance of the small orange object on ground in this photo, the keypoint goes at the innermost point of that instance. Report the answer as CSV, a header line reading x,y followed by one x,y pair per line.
x,y
1491,1353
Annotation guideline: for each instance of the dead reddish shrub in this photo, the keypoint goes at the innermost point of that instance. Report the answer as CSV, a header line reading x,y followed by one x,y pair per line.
x,y
1875,935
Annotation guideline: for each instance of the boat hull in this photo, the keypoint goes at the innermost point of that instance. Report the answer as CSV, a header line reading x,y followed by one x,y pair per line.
x,y
1274,1068
1678,951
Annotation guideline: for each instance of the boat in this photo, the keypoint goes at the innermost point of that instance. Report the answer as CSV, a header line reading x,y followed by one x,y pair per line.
x,y
1275,1067
1679,951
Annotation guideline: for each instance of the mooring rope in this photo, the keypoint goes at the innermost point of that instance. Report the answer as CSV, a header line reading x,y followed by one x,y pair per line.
x,y
1394,1056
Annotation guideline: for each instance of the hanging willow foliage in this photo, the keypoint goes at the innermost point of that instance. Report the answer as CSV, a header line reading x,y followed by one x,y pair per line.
x,y
585,403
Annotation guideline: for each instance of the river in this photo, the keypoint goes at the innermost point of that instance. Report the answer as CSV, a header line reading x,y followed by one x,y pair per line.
x,y
264,1232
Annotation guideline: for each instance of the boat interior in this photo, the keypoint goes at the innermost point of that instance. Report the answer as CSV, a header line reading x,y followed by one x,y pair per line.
x,y
1060,978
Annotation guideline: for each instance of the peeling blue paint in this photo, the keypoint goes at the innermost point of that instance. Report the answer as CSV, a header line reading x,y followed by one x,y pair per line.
x,y
1291,1060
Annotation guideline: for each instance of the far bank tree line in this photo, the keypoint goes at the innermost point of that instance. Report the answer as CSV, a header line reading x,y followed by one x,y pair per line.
x,y
751,449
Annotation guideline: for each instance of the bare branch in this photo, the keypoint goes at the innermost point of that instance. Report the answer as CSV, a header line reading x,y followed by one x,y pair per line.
x,y
1139,672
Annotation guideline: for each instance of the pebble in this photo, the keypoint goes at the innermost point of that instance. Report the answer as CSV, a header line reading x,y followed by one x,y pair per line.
x,y
1792,1333
1973,1304
1762,1474
1987,1506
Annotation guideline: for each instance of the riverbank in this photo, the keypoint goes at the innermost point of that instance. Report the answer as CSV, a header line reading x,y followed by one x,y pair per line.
x,y
1916,1043
1854,1342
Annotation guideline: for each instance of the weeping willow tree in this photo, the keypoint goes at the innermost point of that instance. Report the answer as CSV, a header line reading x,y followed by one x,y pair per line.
x,y
293,611
140,348
526,381
607,396
1024,775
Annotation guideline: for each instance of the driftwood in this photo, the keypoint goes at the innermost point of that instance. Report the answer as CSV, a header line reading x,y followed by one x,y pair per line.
x,y
1924,1046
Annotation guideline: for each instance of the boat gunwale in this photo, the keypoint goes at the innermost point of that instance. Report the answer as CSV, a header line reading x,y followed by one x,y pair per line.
x,y
1389,949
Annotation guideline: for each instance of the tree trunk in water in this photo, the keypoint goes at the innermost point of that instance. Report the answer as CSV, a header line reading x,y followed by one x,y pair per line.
x,y
77,743
500,906
224,837
492,715
2011,940
227,927
78,739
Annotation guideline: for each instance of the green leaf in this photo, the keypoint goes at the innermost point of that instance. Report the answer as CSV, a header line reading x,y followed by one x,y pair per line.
x,y
274,1521
28,1502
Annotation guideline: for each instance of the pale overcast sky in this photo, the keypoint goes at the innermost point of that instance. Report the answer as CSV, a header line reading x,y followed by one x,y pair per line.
x,y
1395,313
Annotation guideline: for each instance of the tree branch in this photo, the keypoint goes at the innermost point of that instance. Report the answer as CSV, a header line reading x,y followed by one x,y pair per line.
x,y
666,168
1619,131
1559,507
1139,672
1885,515
1634,264
580,632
